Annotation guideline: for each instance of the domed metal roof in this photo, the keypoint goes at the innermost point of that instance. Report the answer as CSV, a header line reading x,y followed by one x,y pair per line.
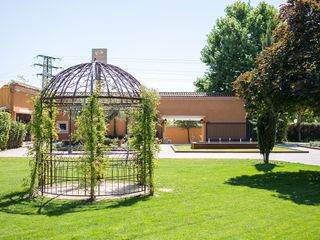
x,y
80,81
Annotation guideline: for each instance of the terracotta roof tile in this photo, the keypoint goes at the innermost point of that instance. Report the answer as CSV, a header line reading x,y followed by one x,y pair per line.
x,y
25,85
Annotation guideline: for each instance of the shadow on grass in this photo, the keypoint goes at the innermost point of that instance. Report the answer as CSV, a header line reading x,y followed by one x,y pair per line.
x,y
16,203
261,167
301,187
56,209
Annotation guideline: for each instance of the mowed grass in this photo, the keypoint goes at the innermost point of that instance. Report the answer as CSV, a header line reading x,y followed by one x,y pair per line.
x,y
248,150
210,199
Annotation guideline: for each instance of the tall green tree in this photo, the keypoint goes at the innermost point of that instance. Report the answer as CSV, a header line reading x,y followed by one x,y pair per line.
x,y
257,92
288,72
233,44
297,55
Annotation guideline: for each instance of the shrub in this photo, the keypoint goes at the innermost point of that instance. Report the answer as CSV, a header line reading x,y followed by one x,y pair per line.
x,y
266,126
22,134
282,129
309,132
5,122
13,135
16,134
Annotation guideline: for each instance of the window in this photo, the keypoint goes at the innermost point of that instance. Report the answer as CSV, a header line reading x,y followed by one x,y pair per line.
x,y
62,127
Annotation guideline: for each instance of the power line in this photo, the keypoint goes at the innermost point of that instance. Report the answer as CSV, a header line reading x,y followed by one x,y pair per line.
x,y
147,60
46,68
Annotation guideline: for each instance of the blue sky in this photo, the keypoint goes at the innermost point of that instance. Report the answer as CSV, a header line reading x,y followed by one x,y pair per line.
x,y
158,42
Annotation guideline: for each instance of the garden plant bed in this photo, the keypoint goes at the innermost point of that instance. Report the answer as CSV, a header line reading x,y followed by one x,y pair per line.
x,y
258,201
186,148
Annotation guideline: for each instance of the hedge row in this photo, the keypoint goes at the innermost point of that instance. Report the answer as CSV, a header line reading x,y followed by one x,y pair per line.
x,y
11,133
309,132
16,135
5,124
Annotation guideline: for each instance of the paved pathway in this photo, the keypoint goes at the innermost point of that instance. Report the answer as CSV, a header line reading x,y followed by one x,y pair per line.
x,y
311,158
16,152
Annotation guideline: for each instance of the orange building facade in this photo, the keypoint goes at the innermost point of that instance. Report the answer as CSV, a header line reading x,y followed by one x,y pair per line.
x,y
17,99
220,116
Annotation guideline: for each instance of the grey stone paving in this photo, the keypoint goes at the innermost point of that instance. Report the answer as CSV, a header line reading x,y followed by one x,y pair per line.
x,y
311,158
16,152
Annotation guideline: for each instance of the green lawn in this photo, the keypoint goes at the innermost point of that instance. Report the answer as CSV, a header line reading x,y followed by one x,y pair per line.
x,y
250,150
211,199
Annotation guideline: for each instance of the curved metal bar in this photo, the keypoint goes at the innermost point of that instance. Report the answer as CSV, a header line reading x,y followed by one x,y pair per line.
x,y
75,82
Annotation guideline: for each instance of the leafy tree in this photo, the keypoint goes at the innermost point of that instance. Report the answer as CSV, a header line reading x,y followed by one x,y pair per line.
x,y
288,71
186,125
257,92
142,127
266,125
234,43
298,54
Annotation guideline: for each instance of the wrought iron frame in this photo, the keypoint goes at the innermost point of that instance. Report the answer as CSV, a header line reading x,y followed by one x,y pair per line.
x,y
80,81
68,91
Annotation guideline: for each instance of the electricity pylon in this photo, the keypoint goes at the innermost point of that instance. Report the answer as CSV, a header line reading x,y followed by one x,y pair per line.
x,y
46,68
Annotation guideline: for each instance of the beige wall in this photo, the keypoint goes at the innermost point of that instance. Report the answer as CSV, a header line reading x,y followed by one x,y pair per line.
x,y
5,97
64,118
215,109
17,98
120,125
180,135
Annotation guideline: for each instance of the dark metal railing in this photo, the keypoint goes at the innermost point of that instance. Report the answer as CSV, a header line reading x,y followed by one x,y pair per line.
x,y
66,175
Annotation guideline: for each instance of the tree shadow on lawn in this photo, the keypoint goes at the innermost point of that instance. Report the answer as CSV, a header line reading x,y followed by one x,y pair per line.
x,y
16,203
262,167
301,187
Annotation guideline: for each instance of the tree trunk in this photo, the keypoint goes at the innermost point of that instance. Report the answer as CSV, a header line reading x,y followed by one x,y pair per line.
x,y
299,132
92,183
266,158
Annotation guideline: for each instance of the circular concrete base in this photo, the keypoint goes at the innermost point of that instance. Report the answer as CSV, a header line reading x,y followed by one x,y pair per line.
x,y
105,190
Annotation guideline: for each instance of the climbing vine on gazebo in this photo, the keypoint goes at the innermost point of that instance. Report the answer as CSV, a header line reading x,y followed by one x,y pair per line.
x,y
143,124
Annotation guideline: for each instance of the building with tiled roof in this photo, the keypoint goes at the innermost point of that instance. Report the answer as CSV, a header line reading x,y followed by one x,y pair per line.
x,y
16,98
222,115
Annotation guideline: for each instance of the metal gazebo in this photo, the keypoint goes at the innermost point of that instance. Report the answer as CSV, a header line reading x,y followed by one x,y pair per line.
x,y
68,91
